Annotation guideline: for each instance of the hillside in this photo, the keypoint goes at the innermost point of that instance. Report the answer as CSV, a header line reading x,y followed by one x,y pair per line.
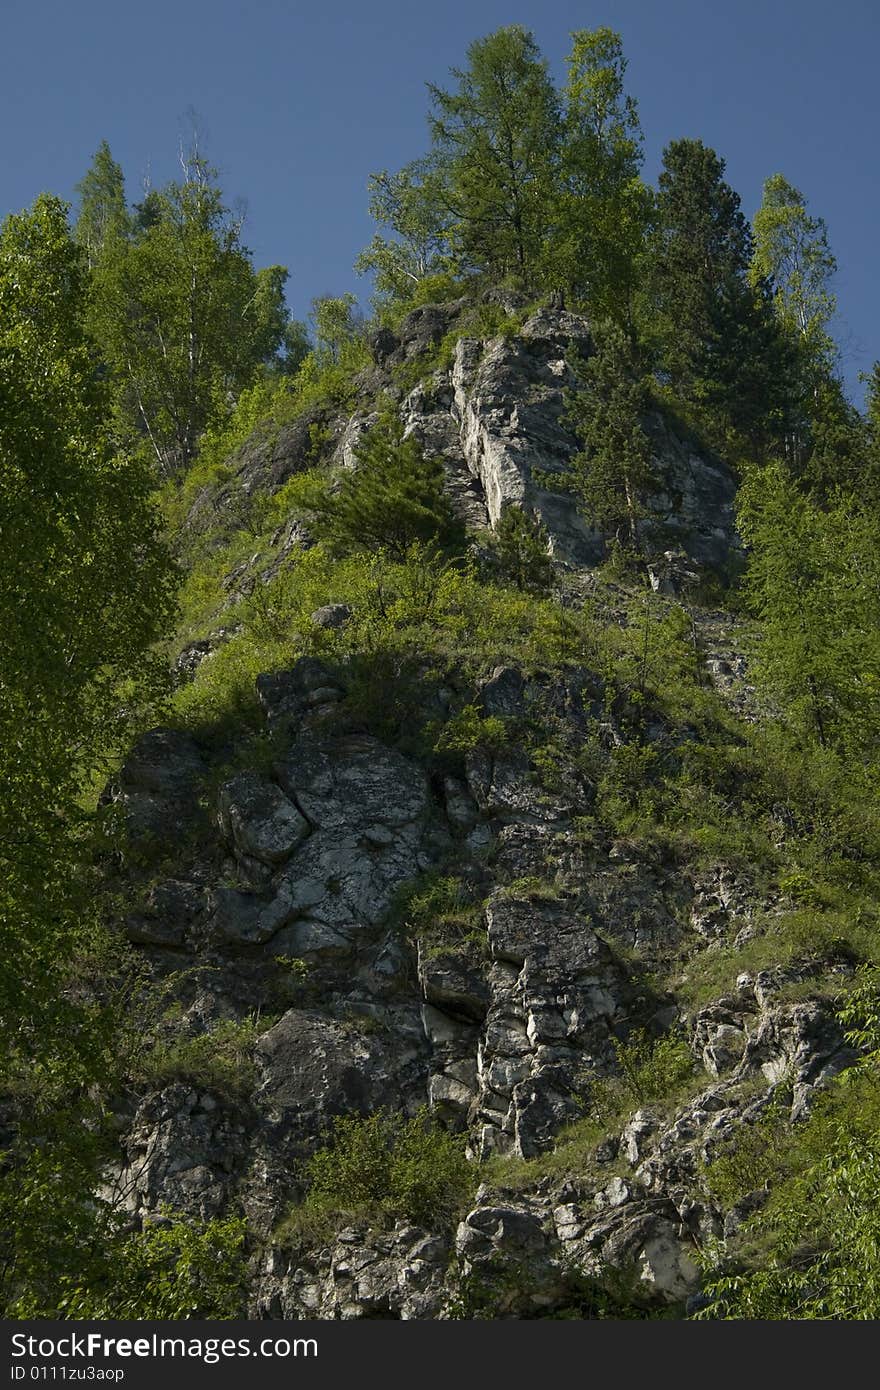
x,y
440,840
525,861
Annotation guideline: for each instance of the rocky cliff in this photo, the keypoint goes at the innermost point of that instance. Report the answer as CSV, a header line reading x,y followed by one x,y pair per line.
x,y
547,945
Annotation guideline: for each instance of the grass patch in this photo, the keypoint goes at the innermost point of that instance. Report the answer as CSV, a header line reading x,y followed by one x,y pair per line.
x,y
219,1060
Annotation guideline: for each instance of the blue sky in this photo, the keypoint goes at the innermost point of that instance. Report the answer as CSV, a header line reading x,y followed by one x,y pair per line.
x,y
301,101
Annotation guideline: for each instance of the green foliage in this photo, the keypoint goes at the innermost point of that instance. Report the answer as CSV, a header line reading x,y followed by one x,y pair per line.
x,y
826,1247
336,327
442,912
408,262
495,139
812,580
469,729
520,546
85,1262
813,1251
86,586
183,320
219,1059
602,206
649,1070
385,1166
419,620
393,499
716,336
793,255
103,214
615,473
175,1269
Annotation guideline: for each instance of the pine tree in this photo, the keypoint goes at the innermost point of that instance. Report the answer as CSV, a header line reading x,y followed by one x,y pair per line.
x,y
719,347
392,500
496,141
699,255
602,205
614,474
522,549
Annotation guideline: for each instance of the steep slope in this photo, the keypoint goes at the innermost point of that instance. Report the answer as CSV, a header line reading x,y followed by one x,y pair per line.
x,y
534,881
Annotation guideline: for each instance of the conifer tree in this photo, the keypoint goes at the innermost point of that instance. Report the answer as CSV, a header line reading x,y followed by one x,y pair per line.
x,y
392,500
718,344
522,550
603,207
496,140
614,474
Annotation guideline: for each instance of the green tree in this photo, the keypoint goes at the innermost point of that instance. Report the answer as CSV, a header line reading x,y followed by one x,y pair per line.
x,y
792,254
614,473
410,204
496,141
102,208
87,583
392,500
521,548
603,206
336,324
700,247
717,342
183,319
814,581
86,588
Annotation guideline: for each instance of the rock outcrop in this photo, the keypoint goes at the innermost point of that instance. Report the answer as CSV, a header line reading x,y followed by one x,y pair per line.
x,y
508,1035
281,901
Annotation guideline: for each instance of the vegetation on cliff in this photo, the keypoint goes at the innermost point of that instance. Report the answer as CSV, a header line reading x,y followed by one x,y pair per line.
x,y
183,464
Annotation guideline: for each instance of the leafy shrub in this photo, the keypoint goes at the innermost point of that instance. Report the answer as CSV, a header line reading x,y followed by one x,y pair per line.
x,y
650,1070
177,1269
813,1252
70,1252
469,729
385,1165
442,911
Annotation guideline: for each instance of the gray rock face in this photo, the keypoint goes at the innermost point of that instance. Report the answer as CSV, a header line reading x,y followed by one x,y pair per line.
x,y
182,1149
158,788
332,615
260,820
363,1274
314,1068
343,831
554,991
505,1027
498,422
171,909
287,696
510,402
